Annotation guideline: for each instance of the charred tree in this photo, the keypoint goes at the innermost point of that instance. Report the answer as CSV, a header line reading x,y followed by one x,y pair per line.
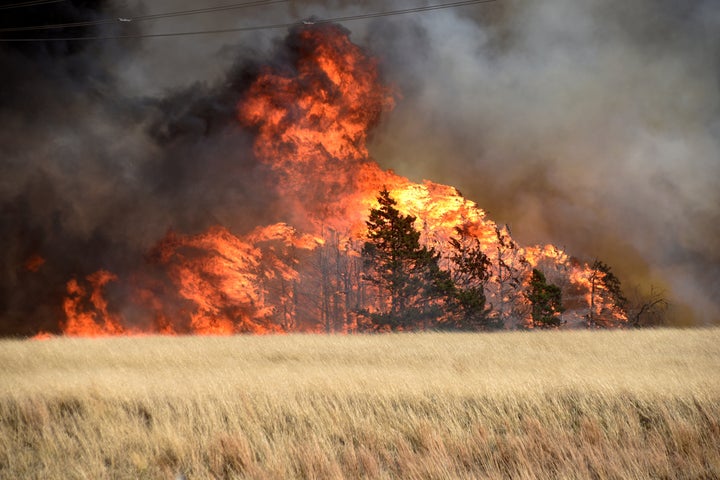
x,y
509,268
607,301
647,309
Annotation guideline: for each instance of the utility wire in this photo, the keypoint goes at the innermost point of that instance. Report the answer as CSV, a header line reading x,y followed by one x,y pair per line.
x,y
313,21
28,4
155,16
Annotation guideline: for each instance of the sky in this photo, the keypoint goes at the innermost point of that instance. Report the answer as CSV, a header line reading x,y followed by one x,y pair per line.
x,y
590,124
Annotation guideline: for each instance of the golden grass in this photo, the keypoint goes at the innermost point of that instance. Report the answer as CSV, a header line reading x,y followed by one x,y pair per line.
x,y
575,404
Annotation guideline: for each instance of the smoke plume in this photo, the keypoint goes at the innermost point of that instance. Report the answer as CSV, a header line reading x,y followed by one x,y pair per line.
x,y
592,124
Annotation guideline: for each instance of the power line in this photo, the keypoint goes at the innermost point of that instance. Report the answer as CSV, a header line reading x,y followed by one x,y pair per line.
x,y
347,18
28,4
427,8
155,16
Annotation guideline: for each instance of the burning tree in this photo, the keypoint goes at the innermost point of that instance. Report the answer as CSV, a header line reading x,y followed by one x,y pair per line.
x,y
334,281
509,269
607,302
470,273
401,268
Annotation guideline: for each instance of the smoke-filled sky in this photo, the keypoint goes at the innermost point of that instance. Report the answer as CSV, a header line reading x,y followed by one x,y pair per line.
x,y
591,124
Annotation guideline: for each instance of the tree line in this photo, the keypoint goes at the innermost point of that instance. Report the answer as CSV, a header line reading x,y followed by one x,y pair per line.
x,y
412,290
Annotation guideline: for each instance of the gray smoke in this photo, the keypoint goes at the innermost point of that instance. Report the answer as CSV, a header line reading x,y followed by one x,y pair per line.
x,y
593,125
93,174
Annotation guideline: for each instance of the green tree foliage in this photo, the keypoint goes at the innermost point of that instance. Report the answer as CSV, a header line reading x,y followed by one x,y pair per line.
x,y
406,272
470,274
546,301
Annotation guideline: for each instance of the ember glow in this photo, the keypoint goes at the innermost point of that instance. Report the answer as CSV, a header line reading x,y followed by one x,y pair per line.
x,y
311,124
34,263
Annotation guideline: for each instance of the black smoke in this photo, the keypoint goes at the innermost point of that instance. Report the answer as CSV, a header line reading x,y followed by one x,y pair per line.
x,y
93,175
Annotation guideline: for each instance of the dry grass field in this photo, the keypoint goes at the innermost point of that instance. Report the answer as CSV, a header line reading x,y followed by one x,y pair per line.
x,y
575,404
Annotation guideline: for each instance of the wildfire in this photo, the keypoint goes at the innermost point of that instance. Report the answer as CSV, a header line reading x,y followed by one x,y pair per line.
x,y
87,310
311,122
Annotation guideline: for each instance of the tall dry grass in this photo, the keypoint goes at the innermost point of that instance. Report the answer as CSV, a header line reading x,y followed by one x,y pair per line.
x,y
610,404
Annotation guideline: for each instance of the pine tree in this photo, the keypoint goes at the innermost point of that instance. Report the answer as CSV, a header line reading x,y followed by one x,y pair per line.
x,y
402,269
546,301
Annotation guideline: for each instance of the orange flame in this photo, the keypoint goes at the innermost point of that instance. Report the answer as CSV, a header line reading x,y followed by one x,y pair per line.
x,y
312,123
87,313
219,276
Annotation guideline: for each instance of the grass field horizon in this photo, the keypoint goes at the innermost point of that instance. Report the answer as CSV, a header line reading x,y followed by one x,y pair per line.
x,y
571,404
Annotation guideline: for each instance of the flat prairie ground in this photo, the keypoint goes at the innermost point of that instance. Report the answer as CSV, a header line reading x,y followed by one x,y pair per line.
x,y
571,404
